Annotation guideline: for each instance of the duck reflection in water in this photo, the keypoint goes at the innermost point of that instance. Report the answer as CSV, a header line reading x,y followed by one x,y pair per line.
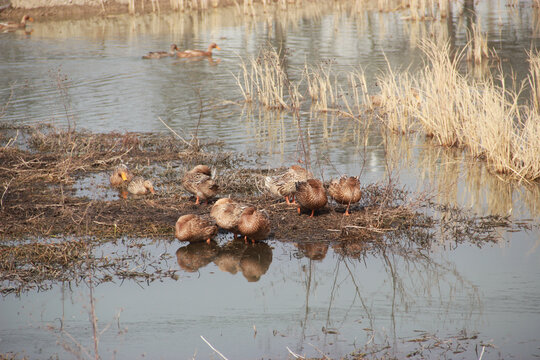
x,y
313,251
229,256
255,261
196,255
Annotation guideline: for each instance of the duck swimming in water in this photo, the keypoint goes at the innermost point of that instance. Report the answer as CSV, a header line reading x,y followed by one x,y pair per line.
x,y
161,54
10,25
198,53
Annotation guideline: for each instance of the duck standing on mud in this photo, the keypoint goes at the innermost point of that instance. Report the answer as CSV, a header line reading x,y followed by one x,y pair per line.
x,y
10,26
254,224
161,54
194,228
226,212
285,184
198,53
346,191
198,181
311,195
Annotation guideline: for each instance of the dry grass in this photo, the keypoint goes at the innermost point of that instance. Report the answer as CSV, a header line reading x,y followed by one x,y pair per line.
x,y
484,117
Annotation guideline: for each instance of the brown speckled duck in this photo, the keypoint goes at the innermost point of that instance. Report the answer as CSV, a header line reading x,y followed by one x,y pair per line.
x,y
199,182
198,53
346,191
161,54
120,176
7,26
254,224
285,184
311,195
194,228
226,212
140,186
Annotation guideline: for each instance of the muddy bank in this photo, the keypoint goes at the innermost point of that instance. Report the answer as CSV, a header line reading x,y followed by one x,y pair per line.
x,y
57,207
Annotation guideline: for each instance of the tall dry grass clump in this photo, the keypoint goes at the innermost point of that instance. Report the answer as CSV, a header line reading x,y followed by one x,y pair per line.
x,y
264,79
482,116
477,46
534,78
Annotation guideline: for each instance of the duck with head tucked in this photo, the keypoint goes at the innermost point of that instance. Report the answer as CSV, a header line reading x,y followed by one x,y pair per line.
x,y
311,195
285,184
346,191
198,181
227,212
140,186
198,53
194,228
161,54
254,224
9,26
120,176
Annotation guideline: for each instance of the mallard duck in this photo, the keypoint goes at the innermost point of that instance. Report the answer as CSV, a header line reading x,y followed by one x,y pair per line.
x,y
226,212
140,186
253,224
345,190
311,195
14,25
120,176
194,228
285,184
197,53
161,54
199,182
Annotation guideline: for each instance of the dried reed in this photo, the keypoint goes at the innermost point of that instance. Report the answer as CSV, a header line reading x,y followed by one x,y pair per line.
x,y
455,110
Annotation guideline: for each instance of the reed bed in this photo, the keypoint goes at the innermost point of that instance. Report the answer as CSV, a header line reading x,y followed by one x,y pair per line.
x,y
484,117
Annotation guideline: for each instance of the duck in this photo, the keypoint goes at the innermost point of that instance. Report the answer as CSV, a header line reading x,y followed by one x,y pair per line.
x,y
198,53
140,186
285,184
161,54
346,191
120,176
311,195
194,228
253,224
226,212
10,25
198,181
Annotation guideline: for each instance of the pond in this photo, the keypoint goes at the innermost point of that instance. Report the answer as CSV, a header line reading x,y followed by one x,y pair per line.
x,y
273,299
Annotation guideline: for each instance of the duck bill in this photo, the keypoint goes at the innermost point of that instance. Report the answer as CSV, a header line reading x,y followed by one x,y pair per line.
x,y
123,175
218,48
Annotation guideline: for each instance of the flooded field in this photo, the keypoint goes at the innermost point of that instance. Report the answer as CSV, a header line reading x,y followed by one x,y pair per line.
x,y
439,259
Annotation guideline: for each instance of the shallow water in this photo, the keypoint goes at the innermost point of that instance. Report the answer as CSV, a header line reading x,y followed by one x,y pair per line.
x,y
89,73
